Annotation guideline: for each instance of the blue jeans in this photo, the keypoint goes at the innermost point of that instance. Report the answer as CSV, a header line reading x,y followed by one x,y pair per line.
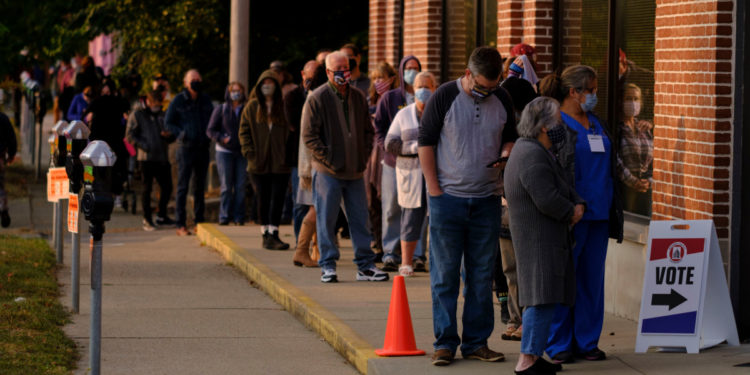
x,y
468,229
536,323
392,218
191,160
298,210
577,328
233,176
328,192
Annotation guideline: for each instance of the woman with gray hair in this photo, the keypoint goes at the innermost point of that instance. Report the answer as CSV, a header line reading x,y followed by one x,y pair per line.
x,y
543,207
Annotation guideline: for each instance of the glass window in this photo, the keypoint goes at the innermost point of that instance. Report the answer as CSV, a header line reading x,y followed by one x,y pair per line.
x,y
472,23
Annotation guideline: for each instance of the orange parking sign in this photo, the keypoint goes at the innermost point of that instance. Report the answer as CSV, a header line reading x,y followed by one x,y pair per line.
x,y
58,184
73,213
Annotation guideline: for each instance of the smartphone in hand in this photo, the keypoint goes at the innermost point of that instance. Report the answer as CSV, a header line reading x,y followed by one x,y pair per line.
x,y
500,160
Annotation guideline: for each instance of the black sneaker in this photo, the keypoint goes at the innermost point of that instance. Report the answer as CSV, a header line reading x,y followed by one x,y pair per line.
x,y
593,355
329,276
419,265
563,357
148,225
273,242
390,265
5,218
165,220
224,222
372,274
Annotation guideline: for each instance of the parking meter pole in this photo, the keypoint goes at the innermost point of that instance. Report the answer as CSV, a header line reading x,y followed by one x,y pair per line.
x,y
96,230
76,135
75,276
57,159
55,217
59,232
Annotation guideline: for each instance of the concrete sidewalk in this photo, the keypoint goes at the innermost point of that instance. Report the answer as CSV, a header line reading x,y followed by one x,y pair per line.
x,y
352,317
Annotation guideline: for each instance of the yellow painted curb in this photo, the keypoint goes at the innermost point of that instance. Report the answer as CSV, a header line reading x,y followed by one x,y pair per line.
x,y
338,334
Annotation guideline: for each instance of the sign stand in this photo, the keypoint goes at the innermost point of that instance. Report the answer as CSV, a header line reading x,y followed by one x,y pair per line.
x,y
685,300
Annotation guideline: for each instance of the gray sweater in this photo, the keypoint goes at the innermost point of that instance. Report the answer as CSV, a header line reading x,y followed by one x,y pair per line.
x,y
541,203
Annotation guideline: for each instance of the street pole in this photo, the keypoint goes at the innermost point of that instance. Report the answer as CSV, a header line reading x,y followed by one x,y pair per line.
x,y
76,135
95,338
75,276
59,231
239,41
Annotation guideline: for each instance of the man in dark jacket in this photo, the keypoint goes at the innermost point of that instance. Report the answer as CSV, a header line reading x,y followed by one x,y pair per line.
x,y
146,131
391,102
336,128
293,103
187,119
7,155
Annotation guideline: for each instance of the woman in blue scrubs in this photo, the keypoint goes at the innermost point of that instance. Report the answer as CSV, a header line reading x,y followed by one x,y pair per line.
x,y
587,154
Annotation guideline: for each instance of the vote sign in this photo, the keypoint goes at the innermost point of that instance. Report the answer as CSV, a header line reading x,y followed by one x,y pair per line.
x,y
673,274
685,299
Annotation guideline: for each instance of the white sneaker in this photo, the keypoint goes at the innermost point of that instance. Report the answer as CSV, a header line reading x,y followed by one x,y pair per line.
x,y
329,276
118,201
372,274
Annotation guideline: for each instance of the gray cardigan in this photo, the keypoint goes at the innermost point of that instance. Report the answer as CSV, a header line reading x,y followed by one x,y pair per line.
x,y
541,203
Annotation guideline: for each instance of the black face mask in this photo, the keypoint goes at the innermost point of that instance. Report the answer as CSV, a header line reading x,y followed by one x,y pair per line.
x,y
352,64
307,84
196,86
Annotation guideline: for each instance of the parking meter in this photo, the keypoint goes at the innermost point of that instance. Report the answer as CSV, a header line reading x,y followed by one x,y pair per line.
x,y
59,153
77,138
97,203
77,134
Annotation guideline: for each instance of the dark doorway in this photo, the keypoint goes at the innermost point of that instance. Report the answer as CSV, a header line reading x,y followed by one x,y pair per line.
x,y
739,256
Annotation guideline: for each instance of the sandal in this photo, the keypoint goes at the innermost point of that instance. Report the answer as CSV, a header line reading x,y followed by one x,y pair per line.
x,y
405,270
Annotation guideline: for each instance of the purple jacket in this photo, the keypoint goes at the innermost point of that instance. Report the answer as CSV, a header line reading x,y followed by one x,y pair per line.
x,y
391,102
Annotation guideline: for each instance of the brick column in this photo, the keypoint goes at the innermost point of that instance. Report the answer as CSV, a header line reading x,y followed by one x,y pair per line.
x,y
693,111
422,32
537,32
571,24
376,34
509,25
392,30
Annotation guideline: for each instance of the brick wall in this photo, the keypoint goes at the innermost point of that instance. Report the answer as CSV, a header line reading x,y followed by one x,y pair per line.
x,y
376,33
509,25
693,111
571,24
392,31
422,32
457,55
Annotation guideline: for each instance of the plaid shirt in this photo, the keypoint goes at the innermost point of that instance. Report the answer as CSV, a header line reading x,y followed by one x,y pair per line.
x,y
636,153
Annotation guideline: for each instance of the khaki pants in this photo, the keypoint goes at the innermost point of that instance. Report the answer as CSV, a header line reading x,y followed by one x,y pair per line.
x,y
509,268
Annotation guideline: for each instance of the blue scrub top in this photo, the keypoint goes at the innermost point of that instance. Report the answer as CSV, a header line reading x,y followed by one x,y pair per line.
x,y
593,169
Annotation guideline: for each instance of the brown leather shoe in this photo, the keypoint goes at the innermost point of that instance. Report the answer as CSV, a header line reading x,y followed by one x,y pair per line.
x,y
442,357
485,354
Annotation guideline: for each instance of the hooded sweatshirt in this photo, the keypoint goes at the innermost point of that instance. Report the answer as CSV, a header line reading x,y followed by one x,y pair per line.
x,y
225,121
391,102
264,146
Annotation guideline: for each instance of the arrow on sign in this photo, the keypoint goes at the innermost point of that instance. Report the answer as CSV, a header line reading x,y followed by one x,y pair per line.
x,y
673,299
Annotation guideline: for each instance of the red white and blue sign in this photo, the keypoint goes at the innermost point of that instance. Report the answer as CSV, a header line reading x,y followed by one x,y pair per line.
x,y
673,279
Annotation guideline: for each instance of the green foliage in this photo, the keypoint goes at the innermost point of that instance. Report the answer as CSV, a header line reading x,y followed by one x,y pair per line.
x,y
154,36
31,337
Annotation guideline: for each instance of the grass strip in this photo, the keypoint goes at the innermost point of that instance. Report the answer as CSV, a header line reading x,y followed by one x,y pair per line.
x,y
31,316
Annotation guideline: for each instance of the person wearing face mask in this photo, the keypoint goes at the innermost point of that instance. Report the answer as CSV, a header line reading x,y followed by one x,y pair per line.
x,y
147,133
402,142
263,135
543,205
466,127
358,80
637,152
223,128
337,131
391,102
585,152
187,119
383,79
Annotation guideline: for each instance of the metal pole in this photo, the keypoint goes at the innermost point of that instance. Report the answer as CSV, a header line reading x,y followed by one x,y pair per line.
x,y
75,277
239,41
96,305
55,214
59,231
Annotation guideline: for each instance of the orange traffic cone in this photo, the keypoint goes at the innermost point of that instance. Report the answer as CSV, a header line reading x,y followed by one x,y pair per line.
x,y
399,333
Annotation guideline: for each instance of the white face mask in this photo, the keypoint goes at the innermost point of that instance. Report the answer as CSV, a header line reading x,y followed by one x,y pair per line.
x,y
268,89
631,108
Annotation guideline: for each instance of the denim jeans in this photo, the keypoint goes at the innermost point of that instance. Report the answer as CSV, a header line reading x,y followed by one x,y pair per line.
x,y
536,323
298,210
468,229
328,192
392,218
233,176
191,161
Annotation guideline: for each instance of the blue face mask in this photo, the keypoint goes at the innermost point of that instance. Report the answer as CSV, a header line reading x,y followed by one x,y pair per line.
x,y
590,103
409,76
423,94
